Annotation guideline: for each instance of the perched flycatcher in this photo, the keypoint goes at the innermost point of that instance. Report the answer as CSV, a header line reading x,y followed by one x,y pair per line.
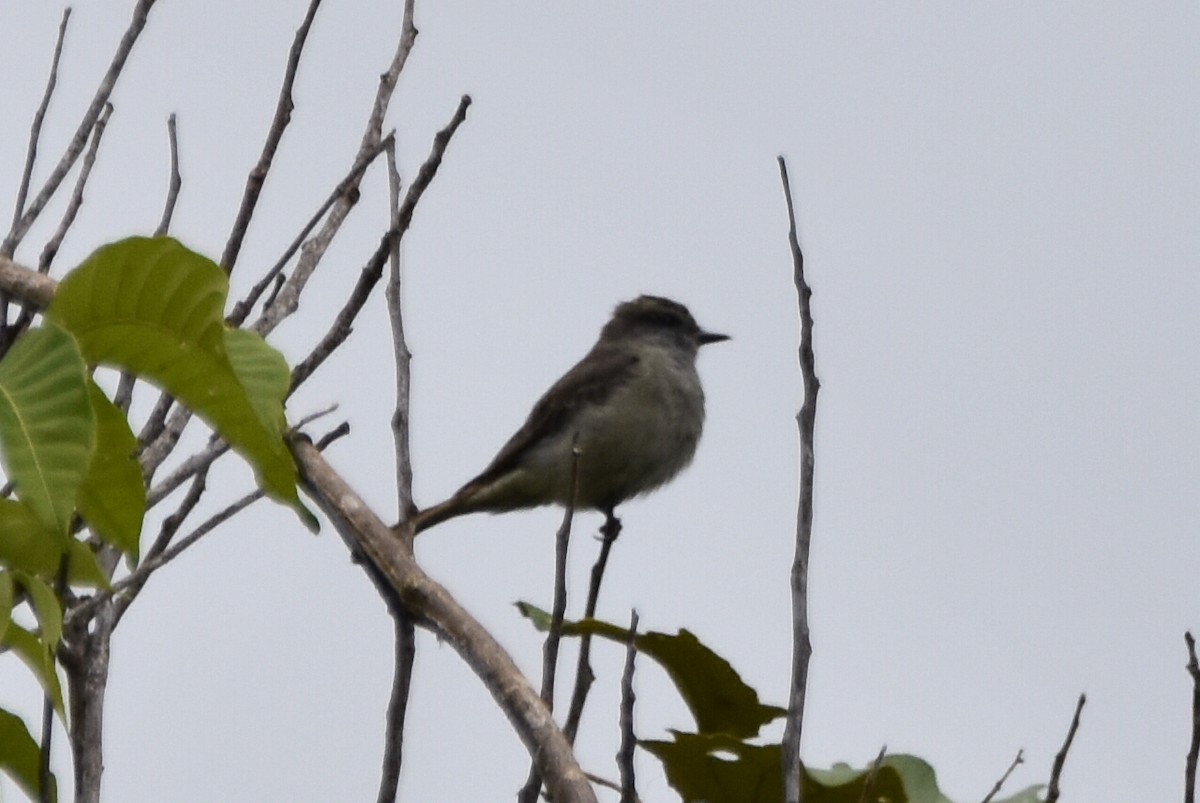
x,y
633,406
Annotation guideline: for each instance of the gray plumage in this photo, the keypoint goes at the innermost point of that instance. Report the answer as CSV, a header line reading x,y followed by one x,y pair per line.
x,y
633,405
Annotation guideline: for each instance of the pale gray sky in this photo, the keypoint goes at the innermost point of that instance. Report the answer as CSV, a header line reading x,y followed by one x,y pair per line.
x,y
998,204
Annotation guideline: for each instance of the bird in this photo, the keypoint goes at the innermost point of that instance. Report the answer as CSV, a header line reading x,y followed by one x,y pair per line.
x,y
630,413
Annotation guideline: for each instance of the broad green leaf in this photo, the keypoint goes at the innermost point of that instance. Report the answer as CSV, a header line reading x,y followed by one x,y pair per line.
x,y
27,545
6,601
45,606
20,756
47,430
153,308
266,378
39,657
113,499
263,373
26,542
717,696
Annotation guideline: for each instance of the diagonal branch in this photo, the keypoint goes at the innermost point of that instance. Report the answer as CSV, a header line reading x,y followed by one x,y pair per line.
x,y
35,130
373,270
136,24
288,299
283,116
432,606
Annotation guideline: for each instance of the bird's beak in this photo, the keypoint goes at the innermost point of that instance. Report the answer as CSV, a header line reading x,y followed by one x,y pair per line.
x,y
704,338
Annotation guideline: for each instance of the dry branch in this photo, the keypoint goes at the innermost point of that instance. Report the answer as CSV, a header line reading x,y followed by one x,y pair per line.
x,y
793,785
432,606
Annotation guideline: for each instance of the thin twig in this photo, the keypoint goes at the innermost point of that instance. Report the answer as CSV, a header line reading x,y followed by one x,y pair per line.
x,y
583,668
175,182
274,277
871,773
173,522
136,24
186,470
314,249
50,250
558,611
402,357
124,395
404,633
793,786
628,737
1193,668
404,653
373,270
89,160
283,116
1019,759
35,130
1061,758
127,590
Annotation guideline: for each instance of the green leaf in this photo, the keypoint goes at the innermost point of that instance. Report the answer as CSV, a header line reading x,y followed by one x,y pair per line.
x,y
721,769
83,570
26,543
266,378
39,657
6,602
717,696
46,423
113,499
45,606
20,756
153,308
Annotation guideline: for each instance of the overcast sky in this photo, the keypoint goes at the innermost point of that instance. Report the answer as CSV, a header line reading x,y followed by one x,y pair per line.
x,y
998,203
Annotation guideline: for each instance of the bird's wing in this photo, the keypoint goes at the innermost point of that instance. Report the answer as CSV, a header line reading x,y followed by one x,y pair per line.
x,y
591,381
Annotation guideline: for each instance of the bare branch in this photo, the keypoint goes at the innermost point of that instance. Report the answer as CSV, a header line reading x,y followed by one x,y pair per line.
x,y
401,355
1193,668
345,189
283,116
50,250
404,636
1061,758
35,130
186,470
312,252
558,611
628,737
1019,759
25,285
583,668
405,651
373,270
173,522
793,786
89,160
176,181
431,605
138,22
